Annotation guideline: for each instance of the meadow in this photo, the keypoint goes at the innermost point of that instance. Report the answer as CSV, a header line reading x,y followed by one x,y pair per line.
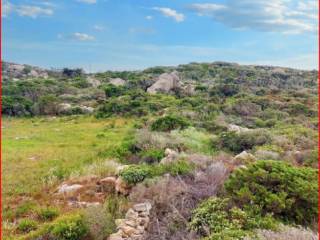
x,y
38,153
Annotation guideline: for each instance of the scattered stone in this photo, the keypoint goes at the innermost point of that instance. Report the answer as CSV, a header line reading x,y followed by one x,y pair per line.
x,y
65,188
171,156
142,207
131,214
76,204
237,129
244,158
87,110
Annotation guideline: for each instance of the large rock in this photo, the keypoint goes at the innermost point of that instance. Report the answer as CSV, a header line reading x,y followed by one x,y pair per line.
x,y
244,158
122,187
267,155
117,81
171,156
165,83
108,184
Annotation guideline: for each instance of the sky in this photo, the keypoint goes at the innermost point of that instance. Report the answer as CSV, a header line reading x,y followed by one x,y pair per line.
x,y
99,35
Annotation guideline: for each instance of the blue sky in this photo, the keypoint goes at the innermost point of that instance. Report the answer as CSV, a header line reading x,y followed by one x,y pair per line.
x,y
134,34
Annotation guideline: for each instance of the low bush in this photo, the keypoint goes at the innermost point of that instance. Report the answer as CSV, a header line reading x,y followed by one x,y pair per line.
x,y
273,187
172,210
238,142
71,227
152,155
137,173
27,225
47,214
169,123
217,219
100,220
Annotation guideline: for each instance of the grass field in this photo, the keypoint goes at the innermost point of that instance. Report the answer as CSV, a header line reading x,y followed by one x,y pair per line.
x,y
41,152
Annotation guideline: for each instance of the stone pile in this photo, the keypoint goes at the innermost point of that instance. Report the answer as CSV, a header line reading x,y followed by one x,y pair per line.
x,y
90,190
135,223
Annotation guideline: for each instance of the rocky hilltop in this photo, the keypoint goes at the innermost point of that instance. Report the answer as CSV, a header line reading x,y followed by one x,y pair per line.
x,y
73,91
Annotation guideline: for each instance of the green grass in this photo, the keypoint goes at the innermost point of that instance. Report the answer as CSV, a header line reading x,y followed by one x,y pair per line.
x,y
39,152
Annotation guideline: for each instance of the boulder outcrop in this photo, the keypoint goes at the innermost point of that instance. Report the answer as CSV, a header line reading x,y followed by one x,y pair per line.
x,y
165,83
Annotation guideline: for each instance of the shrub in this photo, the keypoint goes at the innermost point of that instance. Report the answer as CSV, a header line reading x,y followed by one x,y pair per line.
x,y
113,91
25,208
26,225
146,140
287,192
137,173
169,123
172,211
238,142
100,220
152,155
218,219
48,213
224,90
70,227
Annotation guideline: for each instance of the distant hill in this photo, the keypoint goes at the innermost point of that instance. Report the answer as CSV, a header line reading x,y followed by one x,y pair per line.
x,y
25,86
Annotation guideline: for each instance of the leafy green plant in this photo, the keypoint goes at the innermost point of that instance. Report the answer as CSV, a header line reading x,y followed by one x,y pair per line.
x,y
27,225
48,213
287,192
137,173
69,227
169,123
238,142
218,219
152,155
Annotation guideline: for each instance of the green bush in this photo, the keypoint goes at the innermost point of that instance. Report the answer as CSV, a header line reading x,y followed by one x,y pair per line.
x,y
287,192
114,91
238,142
26,225
70,227
137,173
218,219
169,123
48,213
152,155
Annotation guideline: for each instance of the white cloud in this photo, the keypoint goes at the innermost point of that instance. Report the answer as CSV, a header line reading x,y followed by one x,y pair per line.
x,y
88,1
285,16
149,17
82,36
32,11
206,8
168,12
99,28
